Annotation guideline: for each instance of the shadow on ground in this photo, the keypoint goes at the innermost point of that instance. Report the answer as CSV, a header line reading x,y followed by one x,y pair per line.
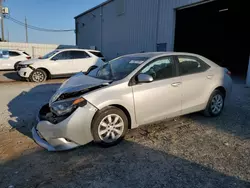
x,y
26,106
12,75
126,165
235,119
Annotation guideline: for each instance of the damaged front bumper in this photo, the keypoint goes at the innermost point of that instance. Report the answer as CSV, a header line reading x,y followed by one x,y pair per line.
x,y
25,72
64,133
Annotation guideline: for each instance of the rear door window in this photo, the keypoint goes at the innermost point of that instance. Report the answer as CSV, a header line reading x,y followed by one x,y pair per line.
x,y
78,55
98,54
26,53
191,65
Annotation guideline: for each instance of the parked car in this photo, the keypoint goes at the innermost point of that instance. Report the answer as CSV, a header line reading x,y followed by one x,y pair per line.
x,y
98,54
58,63
10,58
129,91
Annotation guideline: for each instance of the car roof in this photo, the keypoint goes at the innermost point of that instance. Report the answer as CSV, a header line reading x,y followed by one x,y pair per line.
x,y
77,49
92,50
14,50
155,54
150,55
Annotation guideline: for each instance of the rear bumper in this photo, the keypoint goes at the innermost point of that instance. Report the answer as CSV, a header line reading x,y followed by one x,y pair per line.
x,y
69,133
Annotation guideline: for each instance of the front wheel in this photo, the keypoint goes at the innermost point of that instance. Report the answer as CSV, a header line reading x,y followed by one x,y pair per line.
x,y
215,104
38,75
109,126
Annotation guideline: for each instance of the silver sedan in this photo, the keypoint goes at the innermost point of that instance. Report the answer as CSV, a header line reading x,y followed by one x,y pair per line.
x,y
127,92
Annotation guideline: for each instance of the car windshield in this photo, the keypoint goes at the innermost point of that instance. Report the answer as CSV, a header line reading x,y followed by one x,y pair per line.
x,y
118,68
49,54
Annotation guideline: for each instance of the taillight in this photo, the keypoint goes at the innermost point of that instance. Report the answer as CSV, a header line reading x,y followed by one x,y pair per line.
x,y
28,57
229,73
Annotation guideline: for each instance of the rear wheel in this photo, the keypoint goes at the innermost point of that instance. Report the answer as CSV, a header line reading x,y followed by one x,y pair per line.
x,y
109,126
38,75
215,104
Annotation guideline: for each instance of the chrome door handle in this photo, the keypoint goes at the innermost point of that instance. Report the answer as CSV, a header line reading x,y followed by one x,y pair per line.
x,y
176,84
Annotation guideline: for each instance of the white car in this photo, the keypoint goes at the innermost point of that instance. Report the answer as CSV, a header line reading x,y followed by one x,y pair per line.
x,y
59,63
10,58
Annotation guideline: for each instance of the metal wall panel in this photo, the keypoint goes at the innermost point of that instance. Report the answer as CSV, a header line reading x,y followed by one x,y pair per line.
x,y
88,29
144,24
134,31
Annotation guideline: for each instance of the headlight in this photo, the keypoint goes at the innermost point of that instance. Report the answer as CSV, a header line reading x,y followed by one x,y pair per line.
x,y
24,66
64,107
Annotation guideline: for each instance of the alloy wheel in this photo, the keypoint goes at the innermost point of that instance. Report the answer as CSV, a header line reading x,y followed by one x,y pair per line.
x,y
38,76
217,104
111,128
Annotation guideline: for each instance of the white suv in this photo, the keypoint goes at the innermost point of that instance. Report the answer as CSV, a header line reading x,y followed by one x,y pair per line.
x,y
59,63
10,58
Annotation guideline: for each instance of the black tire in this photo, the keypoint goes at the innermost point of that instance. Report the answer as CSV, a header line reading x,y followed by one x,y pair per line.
x,y
102,114
16,64
38,76
209,112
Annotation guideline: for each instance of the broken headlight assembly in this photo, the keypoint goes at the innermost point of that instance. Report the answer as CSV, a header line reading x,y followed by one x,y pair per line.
x,y
24,66
64,107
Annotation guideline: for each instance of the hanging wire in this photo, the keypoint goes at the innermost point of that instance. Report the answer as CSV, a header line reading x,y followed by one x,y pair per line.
x,y
37,28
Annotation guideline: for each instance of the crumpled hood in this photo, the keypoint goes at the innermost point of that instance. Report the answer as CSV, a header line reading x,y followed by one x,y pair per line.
x,y
31,61
78,83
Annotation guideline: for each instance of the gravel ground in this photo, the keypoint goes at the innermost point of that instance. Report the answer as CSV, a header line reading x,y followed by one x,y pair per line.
x,y
190,151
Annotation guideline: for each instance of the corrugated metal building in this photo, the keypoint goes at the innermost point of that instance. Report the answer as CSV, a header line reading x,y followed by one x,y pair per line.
x,y
138,26
118,27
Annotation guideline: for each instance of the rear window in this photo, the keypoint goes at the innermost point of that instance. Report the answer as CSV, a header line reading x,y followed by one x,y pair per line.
x,y
98,54
26,53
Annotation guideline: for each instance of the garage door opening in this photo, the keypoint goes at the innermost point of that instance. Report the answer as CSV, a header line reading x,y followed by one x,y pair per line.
x,y
213,30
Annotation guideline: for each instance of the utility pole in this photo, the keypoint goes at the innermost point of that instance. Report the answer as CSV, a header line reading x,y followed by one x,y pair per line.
x,y
8,35
26,30
1,15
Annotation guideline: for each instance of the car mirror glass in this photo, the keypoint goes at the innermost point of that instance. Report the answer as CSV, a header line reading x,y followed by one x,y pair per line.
x,y
144,78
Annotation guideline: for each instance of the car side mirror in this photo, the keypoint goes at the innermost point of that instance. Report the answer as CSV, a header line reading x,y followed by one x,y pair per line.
x,y
144,78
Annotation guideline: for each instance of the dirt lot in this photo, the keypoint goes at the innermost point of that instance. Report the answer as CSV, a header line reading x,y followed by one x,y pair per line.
x,y
190,151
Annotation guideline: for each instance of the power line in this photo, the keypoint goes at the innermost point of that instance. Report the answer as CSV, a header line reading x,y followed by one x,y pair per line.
x,y
37,28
